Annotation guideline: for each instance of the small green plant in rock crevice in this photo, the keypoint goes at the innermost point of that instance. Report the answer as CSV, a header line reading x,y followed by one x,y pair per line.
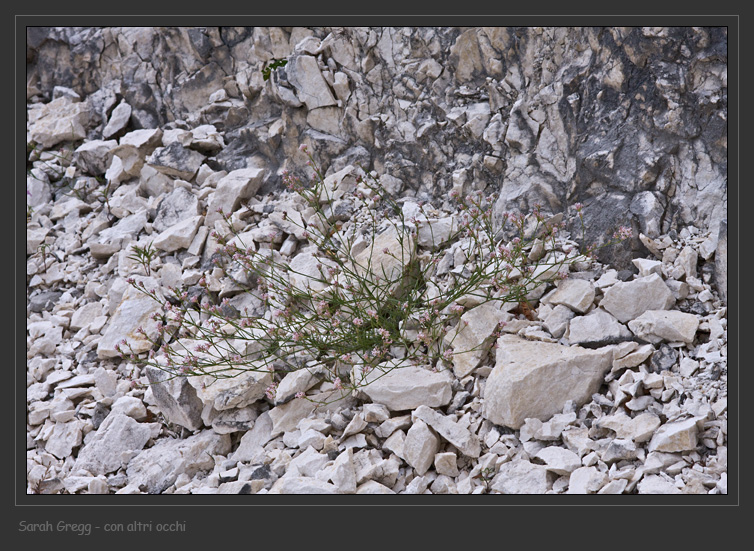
x,y
271,66
369,301
143,256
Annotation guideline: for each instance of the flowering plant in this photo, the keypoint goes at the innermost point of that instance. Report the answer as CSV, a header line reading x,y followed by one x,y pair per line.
x,y
371,296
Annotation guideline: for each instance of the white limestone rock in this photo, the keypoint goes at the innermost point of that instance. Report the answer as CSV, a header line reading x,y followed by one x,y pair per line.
x,y
117,437
536,379
311,87
175,207
157,468
559,460
446,463
521,477
586,480
420,446
373,487
638,429
179,236
677,436
385,260
344,473
447,427
407,387
134,311
93,157
231,189
286,416
302,485
556,319
61,120
471,341
297,381
65,436
433,233
656,484
118,120
628,300
648,267
597,328
576,294
655,326
176,160
176,398
232,388
131,406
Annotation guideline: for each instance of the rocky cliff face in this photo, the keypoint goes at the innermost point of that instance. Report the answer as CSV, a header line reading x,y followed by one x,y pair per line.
x,y
631,122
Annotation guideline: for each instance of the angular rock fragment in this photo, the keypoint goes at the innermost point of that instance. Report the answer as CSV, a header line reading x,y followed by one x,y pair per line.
x,y
118,120
447,427
655,326
628,300
576,294
559,460
639,428
176,398
535,379
311,87
61,120
231,189
472,340
408,387
586,480
302,485
677,436
176,160
420,446
597,328
174,208
93,157
179,236
230,388
133,312
156,469
521,477
117,436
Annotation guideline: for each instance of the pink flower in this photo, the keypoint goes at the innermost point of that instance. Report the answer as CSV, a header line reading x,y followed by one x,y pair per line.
x,y
337,383
624,232
358,322
300,394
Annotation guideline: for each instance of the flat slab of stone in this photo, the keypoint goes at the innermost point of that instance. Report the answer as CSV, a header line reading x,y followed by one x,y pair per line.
x,y
536,379
407,388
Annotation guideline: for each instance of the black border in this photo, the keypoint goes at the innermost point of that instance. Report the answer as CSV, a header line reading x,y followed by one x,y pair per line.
x,y
234,517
